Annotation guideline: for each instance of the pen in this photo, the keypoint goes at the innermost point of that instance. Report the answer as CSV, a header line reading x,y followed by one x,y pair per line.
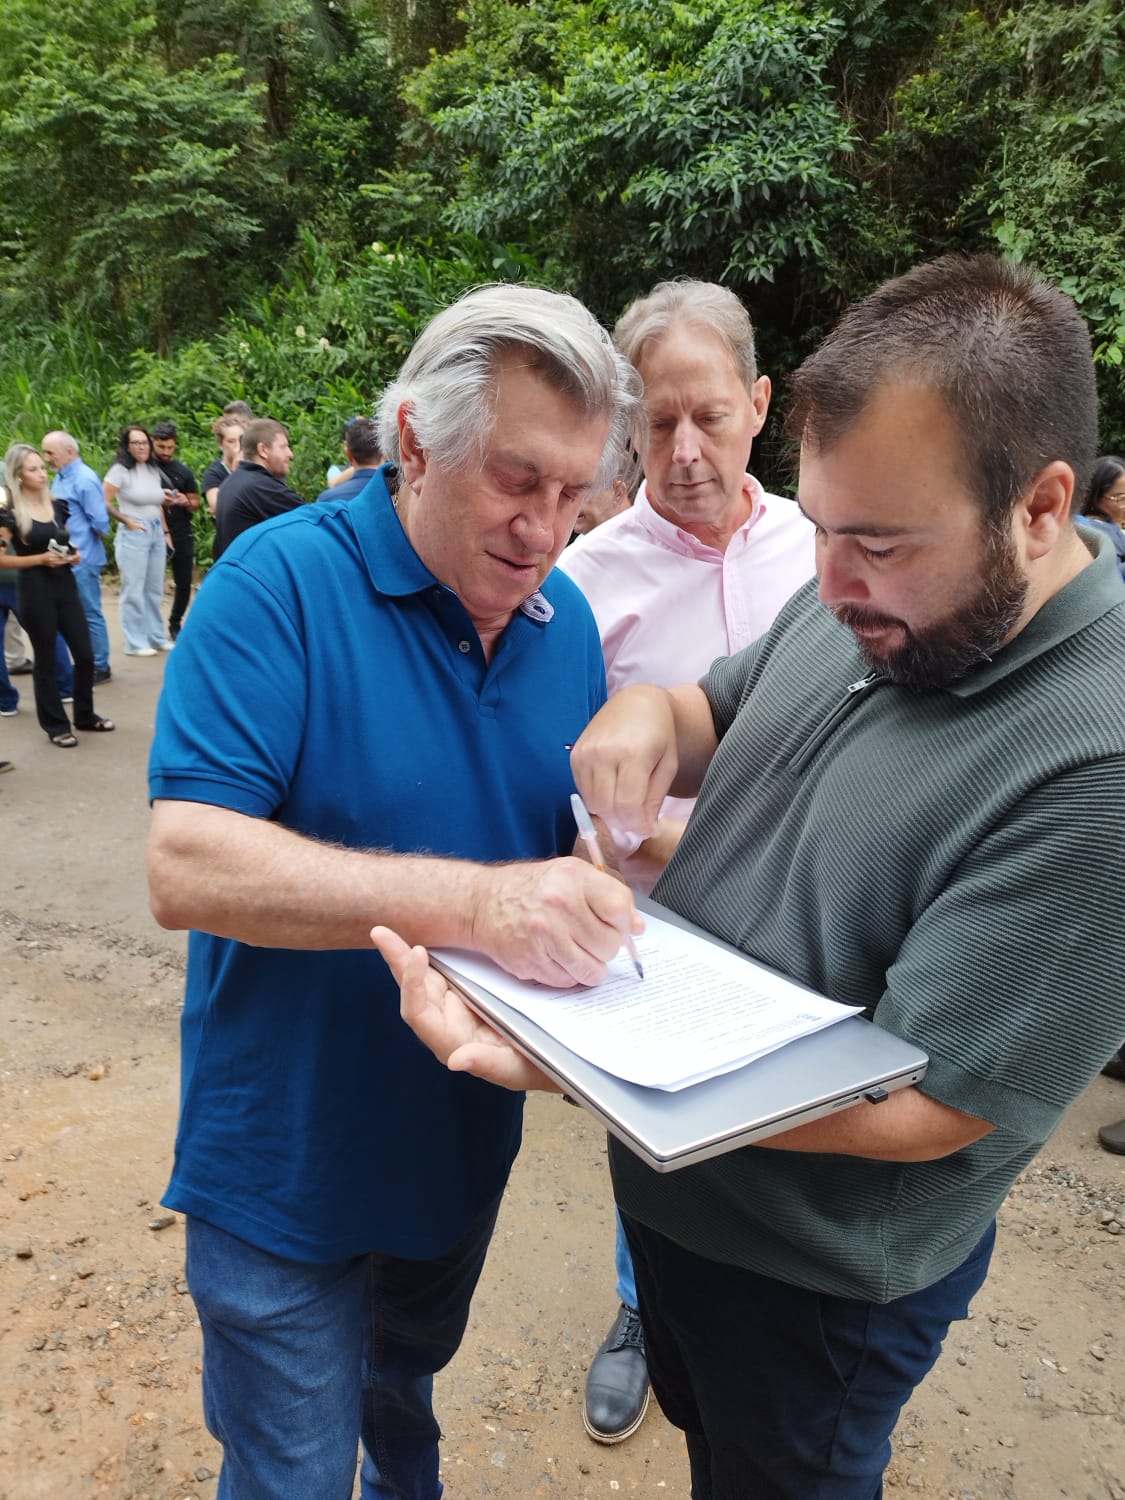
x,y
589,837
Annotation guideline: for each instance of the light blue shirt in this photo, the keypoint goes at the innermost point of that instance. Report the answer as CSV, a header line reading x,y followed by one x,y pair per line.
x,y
87,522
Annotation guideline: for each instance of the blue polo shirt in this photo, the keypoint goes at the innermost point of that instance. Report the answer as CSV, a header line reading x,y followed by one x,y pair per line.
x,y
331,683
87,520
349,488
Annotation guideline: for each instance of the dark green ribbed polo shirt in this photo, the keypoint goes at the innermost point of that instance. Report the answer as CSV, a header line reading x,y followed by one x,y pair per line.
x,y
954,862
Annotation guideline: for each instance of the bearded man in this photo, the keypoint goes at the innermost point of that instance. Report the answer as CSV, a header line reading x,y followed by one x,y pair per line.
x,y
902,787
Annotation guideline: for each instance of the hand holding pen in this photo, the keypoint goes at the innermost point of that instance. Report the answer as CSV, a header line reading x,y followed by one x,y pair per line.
x,y
588,835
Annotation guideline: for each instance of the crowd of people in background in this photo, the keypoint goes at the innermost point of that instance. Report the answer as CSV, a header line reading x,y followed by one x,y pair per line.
x,y
57,516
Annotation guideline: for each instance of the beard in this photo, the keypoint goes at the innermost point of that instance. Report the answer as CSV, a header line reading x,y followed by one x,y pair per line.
x,y
934,656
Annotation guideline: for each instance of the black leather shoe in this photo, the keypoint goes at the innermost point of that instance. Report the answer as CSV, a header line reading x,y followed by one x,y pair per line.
x,y
1115,1068
24,669
617,1391
102,674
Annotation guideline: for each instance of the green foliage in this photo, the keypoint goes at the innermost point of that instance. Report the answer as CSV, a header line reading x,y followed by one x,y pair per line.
x,y
1012,139
642,139
157,156
59,375
124,184
418,29
343,131
315,351
214,198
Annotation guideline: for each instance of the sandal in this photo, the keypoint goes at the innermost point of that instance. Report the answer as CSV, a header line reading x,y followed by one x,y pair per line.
x,y
97,726
64,741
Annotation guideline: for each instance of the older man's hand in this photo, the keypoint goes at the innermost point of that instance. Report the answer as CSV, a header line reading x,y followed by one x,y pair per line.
x,y
557,923
438,1016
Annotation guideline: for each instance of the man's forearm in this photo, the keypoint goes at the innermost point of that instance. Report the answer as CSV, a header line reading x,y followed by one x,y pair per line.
x,y
907,1126
696,739
253,880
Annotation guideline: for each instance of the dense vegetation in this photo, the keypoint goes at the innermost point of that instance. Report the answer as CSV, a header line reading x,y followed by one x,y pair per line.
x,y
264,198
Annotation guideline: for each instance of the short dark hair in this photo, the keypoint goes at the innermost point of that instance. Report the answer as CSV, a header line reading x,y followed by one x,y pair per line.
x,y
1007,352
1107,471
164,430
261,430
361,438
238,409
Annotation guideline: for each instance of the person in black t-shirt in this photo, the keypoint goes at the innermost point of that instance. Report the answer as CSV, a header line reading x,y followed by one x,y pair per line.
x,y
181,503
256,491
228,433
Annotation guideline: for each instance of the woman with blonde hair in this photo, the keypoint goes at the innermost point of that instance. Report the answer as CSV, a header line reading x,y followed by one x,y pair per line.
x,y
228,430
38,547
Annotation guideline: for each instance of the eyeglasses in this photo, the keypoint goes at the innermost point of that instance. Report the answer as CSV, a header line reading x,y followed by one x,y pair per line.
x,y
138,442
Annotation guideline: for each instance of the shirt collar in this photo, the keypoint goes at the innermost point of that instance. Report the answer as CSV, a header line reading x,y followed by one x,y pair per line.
x,y
392,564
1095,591
675,539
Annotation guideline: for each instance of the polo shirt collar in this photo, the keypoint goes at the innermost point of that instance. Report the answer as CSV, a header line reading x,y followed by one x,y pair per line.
x,y
1077,604
392,564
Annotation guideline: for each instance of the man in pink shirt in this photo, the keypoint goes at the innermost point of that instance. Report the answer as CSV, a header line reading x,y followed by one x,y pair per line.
x,y
696,569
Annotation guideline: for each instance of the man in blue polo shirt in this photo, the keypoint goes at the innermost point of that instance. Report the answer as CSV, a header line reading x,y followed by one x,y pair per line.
x,y
79,489
368,723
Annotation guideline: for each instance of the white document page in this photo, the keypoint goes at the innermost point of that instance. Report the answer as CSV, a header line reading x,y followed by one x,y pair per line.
x,y
698,1012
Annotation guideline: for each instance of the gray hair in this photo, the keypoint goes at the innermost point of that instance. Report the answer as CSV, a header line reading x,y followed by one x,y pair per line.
x,y
448,378
701,304
62,436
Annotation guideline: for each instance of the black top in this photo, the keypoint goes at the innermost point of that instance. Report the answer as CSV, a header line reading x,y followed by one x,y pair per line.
x,y
213,476
40,534
177,476
251,494
38,537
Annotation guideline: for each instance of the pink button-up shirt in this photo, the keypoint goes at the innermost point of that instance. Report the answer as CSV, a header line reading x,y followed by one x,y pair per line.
x,y
667,604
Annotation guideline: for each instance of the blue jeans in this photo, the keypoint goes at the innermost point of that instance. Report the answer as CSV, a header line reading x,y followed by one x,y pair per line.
x,y
300,1361
88,577
141,558
785,1393
9,697
623,1264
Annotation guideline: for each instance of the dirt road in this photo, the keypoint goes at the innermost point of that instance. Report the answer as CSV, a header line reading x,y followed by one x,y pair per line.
x,y
99,1347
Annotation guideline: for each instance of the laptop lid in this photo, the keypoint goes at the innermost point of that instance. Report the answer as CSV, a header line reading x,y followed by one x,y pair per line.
x,y
804,1080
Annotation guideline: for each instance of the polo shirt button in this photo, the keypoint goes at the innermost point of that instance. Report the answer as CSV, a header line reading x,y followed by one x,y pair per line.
x,y
464,647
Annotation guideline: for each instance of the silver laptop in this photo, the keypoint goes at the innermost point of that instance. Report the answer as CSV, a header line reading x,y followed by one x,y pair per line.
x,y
805,1080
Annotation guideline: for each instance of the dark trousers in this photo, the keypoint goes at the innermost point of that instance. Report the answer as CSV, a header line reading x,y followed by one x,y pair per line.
x,y
183,558
49,607
784,1393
